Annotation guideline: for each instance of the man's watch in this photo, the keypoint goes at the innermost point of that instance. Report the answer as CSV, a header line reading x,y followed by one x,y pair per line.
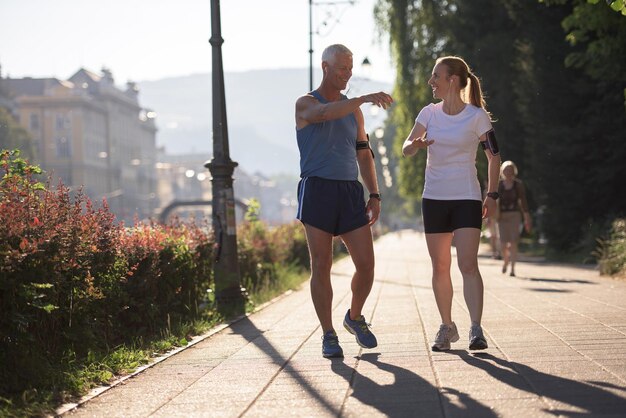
x,y
493,195
375,196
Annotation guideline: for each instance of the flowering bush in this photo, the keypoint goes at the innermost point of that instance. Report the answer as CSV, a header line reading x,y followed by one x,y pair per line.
x,y
170,272
262,249
74,282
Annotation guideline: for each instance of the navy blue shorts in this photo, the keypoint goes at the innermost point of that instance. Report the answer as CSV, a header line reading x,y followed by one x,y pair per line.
x,y
448,215
334,206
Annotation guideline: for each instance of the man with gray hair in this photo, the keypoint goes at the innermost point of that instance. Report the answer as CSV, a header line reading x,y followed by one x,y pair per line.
x,y
334,147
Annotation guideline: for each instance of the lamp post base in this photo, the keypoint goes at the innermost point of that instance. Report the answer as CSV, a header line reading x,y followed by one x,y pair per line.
x,y
231,301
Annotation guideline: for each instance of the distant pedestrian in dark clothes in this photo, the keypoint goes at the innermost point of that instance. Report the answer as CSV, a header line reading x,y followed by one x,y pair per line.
x,y
512,206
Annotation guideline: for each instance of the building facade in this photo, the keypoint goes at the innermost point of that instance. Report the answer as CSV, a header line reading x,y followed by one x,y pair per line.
x,y
90,134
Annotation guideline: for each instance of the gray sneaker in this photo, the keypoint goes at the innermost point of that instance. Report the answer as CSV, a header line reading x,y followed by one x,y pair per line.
x,y
477,340
447,334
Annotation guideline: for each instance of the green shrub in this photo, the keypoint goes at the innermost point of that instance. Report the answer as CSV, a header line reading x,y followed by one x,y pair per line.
x,y
262,249
78,289
611,253
74,281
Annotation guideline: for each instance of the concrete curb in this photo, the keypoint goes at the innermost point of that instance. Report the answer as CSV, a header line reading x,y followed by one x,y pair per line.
x,y
70,406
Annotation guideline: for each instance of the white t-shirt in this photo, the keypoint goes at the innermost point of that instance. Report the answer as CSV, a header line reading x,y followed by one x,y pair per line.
x,y
451,163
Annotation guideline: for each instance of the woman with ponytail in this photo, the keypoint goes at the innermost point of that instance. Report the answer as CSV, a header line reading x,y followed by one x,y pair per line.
x,y
452,206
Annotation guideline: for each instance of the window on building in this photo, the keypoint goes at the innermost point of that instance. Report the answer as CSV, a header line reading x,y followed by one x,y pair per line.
x,y
34,121
60,122
38,146
63,147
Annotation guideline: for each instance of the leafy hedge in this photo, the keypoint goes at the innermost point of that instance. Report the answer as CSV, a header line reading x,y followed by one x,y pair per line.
x,y
74,282
611,253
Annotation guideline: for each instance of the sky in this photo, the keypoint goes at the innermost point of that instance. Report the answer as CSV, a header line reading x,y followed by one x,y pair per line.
x,y
141,40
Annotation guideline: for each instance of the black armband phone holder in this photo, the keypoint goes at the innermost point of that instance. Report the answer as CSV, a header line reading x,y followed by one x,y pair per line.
x,y
490,142
365,145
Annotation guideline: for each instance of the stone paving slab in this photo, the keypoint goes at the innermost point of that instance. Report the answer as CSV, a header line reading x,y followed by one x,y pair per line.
x,y
557,347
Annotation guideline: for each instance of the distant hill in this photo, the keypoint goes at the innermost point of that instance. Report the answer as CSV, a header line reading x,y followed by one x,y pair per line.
x,y
260,115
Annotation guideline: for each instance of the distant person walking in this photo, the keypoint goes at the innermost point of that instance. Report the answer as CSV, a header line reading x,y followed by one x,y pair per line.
x,y
334,147
452,205
513,206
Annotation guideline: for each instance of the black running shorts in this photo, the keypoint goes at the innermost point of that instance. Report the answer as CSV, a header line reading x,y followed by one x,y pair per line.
x,y
448,215
334,206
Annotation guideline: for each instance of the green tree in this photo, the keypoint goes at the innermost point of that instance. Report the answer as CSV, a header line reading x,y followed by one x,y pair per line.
x,y
576,119
491,52
552,92
617,5
599,34
417,36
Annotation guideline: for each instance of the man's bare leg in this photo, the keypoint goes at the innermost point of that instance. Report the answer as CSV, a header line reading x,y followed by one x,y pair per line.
x,y
361,248
321,253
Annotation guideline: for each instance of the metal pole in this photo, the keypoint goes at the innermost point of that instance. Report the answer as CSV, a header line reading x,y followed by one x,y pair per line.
x,y
229,295
310,45
311,4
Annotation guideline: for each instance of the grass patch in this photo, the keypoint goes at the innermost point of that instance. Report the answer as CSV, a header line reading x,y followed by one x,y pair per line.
x,y
85,298
291,277
72,378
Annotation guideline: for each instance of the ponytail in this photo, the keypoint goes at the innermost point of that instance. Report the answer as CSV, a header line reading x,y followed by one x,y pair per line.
x,y
476,93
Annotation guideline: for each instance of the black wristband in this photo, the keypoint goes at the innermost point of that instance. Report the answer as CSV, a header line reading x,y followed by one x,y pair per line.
x,y
375,196
493,195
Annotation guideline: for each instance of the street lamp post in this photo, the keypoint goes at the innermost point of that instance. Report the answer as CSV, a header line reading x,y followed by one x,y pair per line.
x,y
310,45
229,295
319,3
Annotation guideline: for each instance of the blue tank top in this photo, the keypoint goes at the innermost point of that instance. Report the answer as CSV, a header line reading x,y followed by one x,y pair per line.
x,y
328,149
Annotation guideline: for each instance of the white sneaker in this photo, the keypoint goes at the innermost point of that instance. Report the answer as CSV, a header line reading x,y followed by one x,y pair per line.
x,y
477,340
447,334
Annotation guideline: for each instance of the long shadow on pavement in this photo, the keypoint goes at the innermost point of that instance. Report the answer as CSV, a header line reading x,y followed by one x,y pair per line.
x,y
409,395
537,289
577,281
587,396
251,333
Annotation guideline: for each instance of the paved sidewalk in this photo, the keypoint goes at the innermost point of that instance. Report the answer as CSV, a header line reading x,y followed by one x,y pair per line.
x,y
557,347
